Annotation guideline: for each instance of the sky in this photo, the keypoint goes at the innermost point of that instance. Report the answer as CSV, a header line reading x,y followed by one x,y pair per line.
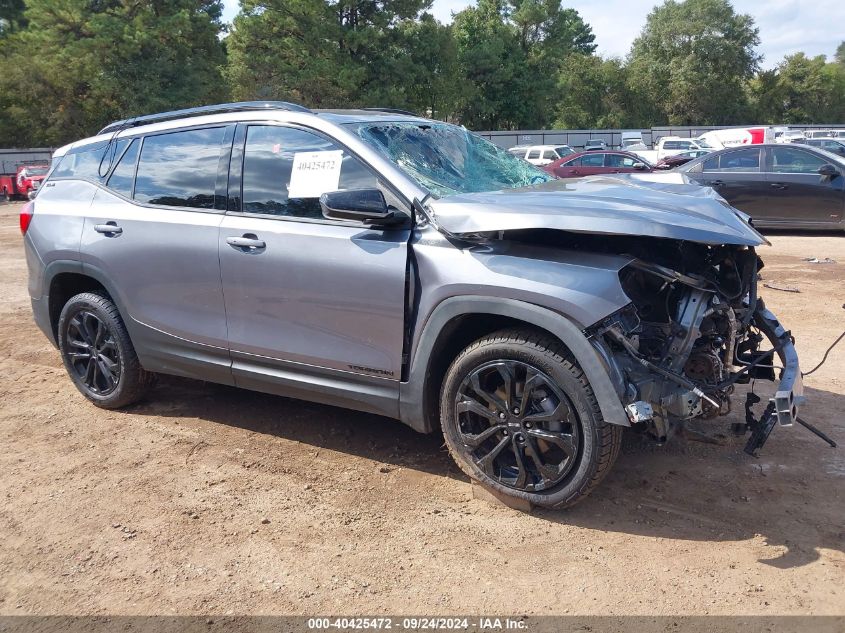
x,y
786,26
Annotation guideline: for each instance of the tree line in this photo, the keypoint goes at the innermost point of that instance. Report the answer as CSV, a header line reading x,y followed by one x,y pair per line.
x,y
69,67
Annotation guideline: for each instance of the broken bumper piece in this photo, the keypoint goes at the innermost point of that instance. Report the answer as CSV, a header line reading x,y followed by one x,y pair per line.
x,y
783,407
790,392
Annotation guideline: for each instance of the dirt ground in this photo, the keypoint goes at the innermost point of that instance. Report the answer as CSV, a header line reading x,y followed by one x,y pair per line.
x,y
211,500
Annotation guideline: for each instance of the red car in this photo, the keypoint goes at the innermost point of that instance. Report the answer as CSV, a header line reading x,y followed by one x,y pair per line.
x,y
593,162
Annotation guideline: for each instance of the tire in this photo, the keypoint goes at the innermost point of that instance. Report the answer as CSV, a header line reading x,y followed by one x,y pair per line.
x,y
116,379
554,428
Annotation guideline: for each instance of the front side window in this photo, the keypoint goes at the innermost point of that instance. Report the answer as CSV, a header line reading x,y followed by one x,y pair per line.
x,y
179,169
574,162
549,154
286,170
786,160
446,159
593,160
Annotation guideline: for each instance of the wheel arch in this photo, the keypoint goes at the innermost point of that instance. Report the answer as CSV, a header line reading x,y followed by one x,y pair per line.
x,y
65,279
458,321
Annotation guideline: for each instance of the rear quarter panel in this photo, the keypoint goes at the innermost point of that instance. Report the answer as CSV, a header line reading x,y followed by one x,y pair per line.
x,y
56,228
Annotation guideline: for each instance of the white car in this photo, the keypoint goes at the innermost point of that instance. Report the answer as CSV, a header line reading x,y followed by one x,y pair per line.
x,y
671,145
541,154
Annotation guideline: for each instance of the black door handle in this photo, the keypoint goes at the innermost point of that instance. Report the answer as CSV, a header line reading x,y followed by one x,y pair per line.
x,y
779,185
249,242
109,229
717,183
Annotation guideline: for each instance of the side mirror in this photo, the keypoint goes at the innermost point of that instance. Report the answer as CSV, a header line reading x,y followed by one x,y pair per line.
x,y
32,193
828,170
362,205
639,166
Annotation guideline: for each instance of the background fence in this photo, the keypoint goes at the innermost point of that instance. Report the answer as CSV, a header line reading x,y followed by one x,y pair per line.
x,y
11,158
576,138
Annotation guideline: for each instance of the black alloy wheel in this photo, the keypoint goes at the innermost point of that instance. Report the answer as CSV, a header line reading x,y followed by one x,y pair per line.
x,y
92,353
517,426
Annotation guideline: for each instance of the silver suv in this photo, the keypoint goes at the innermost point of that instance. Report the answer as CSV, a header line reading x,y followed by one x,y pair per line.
x,y
392,264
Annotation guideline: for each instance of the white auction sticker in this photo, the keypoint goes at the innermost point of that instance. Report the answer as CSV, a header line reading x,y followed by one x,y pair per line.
x,y
315,173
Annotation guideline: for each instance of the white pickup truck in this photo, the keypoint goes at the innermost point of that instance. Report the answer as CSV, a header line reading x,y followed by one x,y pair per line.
x,y
671,145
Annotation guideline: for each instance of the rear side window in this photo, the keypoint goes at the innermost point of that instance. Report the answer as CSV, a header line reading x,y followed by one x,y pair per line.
x,y
89,162
534,153
124,174
740,160
592,160
618,160
286,170
179,169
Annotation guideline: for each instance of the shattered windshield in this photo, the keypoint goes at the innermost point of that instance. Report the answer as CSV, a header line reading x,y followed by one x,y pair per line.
x,y
447,159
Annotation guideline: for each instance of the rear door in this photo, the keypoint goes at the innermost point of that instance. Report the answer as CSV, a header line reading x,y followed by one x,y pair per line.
x,y
152,232
798,194
737,177
311,297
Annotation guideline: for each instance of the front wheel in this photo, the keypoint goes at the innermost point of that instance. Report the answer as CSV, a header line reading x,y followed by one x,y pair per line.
x,y
98,354
519,417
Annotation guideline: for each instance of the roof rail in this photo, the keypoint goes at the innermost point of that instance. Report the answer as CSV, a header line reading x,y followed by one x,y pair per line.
x,y
220,108
391,111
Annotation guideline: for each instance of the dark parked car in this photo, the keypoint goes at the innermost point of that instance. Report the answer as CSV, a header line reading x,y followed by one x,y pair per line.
x,y
404,267
592,163
676,160
778,185
830,144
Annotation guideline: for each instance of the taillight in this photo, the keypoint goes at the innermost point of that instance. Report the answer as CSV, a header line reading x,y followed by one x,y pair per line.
x,y
26,216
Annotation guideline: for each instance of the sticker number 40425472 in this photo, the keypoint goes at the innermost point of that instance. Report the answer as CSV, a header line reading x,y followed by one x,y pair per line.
x,y
315,173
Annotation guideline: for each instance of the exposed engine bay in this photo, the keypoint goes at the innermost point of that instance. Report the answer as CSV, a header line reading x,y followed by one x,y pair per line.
x,y
694,329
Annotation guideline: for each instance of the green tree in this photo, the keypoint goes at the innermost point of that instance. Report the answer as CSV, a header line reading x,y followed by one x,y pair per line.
x,y
595,93
510,53
839,56
80,64
289,50
330,53
693,58
11,16
811,90
491,69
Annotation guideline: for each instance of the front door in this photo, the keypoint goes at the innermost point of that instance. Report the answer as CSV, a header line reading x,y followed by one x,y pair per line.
x,y
798,194
323,295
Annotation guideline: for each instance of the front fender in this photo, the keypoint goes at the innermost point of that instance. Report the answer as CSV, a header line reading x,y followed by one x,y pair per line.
x,y
412,405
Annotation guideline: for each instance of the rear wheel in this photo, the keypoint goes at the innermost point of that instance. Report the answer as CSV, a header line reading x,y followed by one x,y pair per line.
x,y
97,352
520,418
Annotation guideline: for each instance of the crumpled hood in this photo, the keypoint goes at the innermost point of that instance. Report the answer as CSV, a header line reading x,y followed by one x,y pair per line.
x,y
611,205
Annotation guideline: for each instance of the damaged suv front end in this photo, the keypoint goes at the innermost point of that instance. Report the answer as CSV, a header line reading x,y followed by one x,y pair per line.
x,y
678,328
695,326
